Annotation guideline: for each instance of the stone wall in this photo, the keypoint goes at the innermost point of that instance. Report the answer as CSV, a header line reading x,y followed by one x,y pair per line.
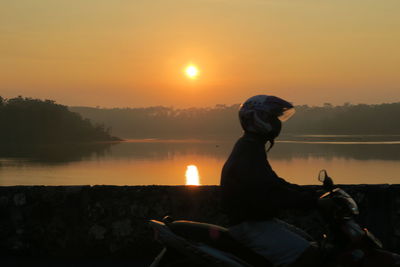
x,y
111,221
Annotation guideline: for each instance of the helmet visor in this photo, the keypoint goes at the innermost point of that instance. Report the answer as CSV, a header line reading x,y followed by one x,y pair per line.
x,y
286,114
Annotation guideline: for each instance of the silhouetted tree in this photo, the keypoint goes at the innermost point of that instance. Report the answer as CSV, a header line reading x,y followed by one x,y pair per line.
x,y
27,120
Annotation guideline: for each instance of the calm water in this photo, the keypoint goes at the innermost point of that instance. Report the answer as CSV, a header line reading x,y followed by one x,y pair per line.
x,y
146,162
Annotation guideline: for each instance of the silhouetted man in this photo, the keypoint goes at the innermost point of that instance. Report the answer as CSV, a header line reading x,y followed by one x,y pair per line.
x,y
253,194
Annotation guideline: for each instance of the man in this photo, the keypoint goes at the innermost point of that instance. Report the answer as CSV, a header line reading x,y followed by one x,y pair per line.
x,y
253,195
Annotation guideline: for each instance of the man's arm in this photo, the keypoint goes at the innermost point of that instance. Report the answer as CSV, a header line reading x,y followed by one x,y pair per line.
x,y
281,194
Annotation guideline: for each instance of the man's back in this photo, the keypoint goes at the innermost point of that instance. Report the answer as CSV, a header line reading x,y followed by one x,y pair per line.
x,y
251,190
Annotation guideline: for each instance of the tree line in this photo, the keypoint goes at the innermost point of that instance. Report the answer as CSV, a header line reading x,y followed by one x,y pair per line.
x,y
222,120
34,121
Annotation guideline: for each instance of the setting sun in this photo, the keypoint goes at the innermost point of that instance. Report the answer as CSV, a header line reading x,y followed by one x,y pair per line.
x,y
192,71
192,175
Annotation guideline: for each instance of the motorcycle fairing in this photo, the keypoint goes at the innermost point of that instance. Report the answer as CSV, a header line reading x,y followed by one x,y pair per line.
x,y
371,239
192,250
218,237
346,205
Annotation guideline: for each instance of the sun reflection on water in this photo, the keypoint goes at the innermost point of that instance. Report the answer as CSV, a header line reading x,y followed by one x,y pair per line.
x,y
192,175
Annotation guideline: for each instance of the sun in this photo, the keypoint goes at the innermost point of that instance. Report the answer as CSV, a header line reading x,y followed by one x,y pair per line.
x,y
192,175
192,71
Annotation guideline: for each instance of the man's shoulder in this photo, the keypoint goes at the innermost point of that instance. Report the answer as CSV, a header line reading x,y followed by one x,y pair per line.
x,y
247,142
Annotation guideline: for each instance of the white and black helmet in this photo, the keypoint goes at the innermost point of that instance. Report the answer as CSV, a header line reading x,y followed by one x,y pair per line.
x,y
263,114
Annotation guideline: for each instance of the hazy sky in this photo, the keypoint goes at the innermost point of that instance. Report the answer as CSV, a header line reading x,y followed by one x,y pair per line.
x,y
133,53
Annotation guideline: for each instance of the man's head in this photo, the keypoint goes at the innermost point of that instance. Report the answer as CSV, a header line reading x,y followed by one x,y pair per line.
x,y
263,115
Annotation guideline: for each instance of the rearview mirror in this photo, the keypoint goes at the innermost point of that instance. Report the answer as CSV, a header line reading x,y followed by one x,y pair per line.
x,y
322,175
325,180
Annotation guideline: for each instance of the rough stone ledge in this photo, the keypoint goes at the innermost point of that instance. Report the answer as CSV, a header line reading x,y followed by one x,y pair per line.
x,y
110,222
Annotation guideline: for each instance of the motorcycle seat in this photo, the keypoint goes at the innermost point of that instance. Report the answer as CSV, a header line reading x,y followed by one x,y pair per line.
x,y
217,237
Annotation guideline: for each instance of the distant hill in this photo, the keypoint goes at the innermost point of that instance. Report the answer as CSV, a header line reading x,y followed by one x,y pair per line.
x,y
222,120
34,121
360,119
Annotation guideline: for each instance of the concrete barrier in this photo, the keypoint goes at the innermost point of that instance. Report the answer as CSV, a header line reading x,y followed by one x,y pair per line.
x,y
110,222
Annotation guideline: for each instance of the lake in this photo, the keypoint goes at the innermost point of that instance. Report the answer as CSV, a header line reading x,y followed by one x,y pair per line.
x,y
348,159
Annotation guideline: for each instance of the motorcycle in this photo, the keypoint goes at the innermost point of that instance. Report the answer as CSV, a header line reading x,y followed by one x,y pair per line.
x,y
344,244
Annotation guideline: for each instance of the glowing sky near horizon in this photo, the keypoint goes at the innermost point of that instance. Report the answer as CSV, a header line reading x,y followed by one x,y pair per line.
x,y
132,53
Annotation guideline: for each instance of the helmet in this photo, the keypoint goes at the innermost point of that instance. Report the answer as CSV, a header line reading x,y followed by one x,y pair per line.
x,y
264,114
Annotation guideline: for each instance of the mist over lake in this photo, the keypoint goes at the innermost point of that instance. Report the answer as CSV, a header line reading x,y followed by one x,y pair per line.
x,y
348,159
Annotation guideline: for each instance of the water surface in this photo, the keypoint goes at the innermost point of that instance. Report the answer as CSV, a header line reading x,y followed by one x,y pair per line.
x,y
147,162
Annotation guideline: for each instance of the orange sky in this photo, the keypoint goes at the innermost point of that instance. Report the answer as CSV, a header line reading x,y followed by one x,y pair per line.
x,y
133,53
